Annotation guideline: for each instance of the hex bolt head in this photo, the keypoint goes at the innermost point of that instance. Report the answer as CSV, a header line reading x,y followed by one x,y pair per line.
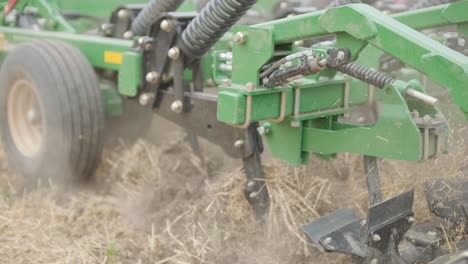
x,y
261,130
146,99
415,113
177,106
340,55
174,53
128,35
240,38
152,77
299,43
411,220
376,238
148,46
253,195
374,261
250,184
295,124
141,41
167,25
461,42
328,240
226,82
123,13
250,86
427,119
239,143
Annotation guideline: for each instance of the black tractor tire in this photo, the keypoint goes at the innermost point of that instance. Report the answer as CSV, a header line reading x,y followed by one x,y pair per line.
x,y
66,103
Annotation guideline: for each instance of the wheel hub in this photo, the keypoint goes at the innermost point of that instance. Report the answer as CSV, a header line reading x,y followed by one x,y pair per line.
x,y
25,118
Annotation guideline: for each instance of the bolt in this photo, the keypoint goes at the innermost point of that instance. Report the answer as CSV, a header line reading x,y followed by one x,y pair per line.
x,y
123,13
167,25
461,42
253,195
261,130
152,77
146,98
374,261
250,86
250,184
340,55
415,113
328,240
148,46
128,35
295,124
299,43
173,53
427,119
177,106
240,38
210,82
107,29
363,222
284,5
239,143
141,41
411,220
226,82
376,238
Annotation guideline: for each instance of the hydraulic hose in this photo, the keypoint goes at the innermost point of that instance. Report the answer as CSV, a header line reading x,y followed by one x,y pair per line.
x,y
151,12
215,19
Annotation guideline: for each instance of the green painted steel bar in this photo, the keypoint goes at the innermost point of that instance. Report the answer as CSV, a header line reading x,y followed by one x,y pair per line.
x,y
436,16
364,23
101,52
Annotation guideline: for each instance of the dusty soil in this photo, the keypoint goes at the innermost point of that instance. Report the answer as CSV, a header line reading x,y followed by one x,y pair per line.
x,y
159,203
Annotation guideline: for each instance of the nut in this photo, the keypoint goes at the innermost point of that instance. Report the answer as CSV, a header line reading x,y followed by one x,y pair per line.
x,y
328,240
146,99
167,25
411,220
295,124
152,77
250,86
128,35
374,261
376,238
123,13
177,106
174,53
226,82
239,143
340,55
427,119
148,46
299,43
250,184
240,38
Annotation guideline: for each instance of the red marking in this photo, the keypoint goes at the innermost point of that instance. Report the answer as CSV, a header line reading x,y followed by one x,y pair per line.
x,y
9,6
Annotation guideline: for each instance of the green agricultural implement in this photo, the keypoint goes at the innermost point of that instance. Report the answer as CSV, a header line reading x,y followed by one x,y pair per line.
x,y
321,83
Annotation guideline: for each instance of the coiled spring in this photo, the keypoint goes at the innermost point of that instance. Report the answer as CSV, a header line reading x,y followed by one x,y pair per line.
x,y
151,12
366,75
215,19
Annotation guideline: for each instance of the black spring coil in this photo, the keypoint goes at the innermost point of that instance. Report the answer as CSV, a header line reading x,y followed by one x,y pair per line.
x,y
429,3
366,75
215,19
151,12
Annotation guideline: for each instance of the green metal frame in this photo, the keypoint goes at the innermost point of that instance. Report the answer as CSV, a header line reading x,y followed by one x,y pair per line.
x,y
315,126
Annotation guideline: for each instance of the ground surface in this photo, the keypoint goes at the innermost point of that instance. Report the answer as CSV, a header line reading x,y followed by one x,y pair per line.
x,y
158,203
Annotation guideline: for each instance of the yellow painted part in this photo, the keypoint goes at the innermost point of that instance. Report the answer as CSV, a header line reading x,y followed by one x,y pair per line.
x,y
112,57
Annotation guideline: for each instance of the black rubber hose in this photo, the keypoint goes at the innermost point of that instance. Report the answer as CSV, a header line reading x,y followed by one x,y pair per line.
x,y
215,19
151,12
